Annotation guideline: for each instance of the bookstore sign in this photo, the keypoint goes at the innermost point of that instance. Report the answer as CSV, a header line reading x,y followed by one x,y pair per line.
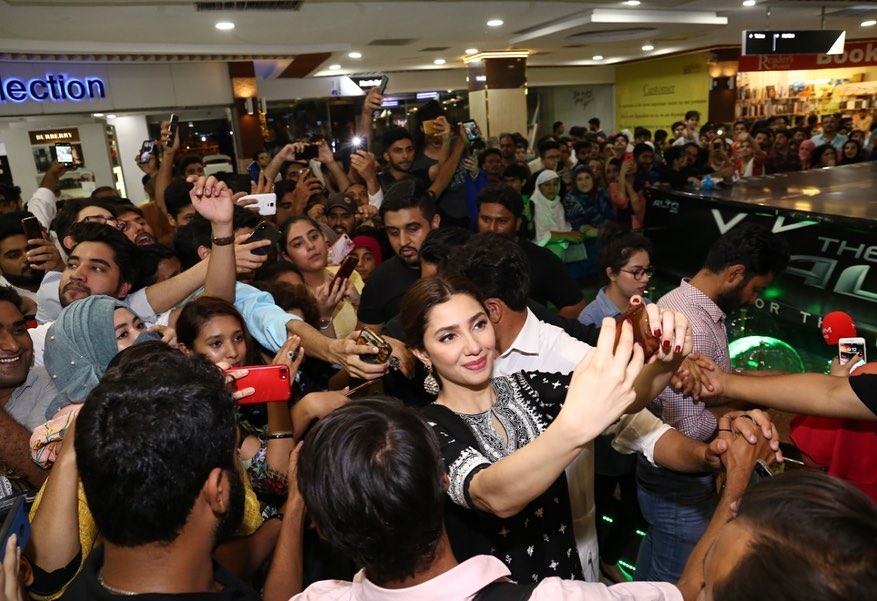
x,y
855,54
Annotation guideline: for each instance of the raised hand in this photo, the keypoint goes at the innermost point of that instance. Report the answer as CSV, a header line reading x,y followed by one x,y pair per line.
x,y
212,199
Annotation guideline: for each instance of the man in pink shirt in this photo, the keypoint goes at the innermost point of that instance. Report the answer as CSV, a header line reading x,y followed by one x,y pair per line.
x,y
373,482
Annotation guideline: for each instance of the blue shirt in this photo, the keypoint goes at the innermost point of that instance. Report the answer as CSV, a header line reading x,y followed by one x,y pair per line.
x,y
838,141
601,307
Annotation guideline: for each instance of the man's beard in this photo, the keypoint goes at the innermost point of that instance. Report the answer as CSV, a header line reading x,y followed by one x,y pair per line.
x,y
730,301
23,281
230,520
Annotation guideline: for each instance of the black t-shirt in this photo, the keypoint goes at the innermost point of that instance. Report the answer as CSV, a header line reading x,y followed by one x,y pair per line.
x,y
865,387
549,279
87,588
382,295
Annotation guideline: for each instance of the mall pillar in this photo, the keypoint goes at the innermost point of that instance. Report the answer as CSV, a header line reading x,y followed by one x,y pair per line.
x,y
498,92
246,111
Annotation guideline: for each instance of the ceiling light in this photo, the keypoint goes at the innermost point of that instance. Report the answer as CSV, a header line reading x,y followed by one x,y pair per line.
x,y
471,51
334,67
439,61
495,23
869,23
97,115
355,55
225,25
598,57
648,47
111,116
748,2
632,2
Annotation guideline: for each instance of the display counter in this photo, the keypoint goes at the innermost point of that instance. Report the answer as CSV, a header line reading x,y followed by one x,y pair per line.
x,y
829,219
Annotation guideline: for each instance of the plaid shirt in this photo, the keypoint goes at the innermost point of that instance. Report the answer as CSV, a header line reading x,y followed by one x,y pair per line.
x,y
687,415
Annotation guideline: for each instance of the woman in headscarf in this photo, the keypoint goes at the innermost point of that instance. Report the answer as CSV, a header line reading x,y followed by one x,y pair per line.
x,y
553,231
586,208
805,153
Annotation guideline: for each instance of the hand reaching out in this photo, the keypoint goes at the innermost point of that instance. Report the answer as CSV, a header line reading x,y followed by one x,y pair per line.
x,y
212,199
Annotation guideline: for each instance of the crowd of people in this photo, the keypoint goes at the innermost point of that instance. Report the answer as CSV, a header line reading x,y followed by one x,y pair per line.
x,y
454,413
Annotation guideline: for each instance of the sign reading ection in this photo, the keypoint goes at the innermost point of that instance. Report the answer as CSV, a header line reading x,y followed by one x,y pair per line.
x,y
52,88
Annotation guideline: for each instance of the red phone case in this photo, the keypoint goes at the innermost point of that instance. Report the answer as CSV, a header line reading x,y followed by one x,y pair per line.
x,y
270,381
347,267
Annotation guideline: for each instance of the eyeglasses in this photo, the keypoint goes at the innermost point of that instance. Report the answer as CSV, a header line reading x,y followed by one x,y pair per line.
x,y
110,221
639,272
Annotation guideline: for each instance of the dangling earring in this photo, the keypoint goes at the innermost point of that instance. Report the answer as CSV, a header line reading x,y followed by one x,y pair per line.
x,y
430,384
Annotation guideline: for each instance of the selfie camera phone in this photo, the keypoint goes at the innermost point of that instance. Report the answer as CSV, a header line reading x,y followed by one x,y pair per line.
x,y
472,131
847,348
310,152
264,231
32,228
172,130
382,87
267,203
346,269
369,338
760,472
16,522
64,153
146,151
271,383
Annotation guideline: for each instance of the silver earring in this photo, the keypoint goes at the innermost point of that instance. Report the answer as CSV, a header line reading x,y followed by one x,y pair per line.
x,y
430,384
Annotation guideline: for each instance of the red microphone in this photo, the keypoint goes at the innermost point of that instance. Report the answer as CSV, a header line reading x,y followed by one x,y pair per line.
x,y
837,325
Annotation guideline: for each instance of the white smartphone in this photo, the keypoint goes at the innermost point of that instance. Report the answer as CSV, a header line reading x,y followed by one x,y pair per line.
x,y
267,203
847,348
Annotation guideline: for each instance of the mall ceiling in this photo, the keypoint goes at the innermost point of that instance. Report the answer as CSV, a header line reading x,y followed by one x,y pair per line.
x,y
337,37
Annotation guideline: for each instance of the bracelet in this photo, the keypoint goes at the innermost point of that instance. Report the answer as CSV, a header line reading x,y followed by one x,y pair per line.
x,y
278,435
225,241
723,430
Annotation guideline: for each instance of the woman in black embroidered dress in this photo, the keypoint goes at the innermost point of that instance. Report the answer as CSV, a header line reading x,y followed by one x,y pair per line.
x,y
506,441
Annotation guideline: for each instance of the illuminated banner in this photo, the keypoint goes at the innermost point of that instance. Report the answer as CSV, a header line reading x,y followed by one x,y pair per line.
x,y
52,88
855,54
50,136
818,41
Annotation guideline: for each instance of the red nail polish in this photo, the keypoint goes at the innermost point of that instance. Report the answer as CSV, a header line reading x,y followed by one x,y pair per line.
x,y
678,349
657,333
666,345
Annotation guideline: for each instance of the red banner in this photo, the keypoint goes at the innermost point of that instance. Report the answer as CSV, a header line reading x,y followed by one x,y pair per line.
x,y
856,54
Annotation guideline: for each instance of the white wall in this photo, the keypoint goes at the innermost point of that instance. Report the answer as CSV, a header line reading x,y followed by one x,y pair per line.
x,y
574,105
130,133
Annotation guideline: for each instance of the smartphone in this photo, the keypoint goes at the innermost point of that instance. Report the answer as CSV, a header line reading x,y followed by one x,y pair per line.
x,y
64,153
847,348
382,87
429,127
271,383
267,203
369,338
16,522
628,156
642,334
32,228
172,130
264,231
760,472
146,151
346,268
311,151
472,131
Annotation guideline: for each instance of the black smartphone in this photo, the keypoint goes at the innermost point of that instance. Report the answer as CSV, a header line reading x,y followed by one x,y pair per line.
x,y
472,131
172,130
264,231
347,267
64,153
382,87
16,522
146,150
311,151
32,228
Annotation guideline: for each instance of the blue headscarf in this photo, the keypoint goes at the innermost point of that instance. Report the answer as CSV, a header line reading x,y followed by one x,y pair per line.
x,y
79,346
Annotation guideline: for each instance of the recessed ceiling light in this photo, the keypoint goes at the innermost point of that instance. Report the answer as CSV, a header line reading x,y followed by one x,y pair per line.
x,y
495,23
748,2
225,25
97,114
471,51
632,2
111,116
869,23
355,55
648,47
598,57
334,67
439,61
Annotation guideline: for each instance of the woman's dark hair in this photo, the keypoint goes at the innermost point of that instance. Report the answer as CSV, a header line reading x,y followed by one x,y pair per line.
x,y
371,477
290,296
842,156
66,215
195,315
813,538
287,225
427,293
617,246
816,156
272,271
487,153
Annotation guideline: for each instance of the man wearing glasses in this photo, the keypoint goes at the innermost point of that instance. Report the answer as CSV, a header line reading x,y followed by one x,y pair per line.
x,y
738,267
